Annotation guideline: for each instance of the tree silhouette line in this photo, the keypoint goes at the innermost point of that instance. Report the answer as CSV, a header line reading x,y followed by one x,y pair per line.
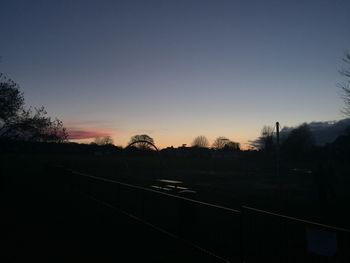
x,y
29,124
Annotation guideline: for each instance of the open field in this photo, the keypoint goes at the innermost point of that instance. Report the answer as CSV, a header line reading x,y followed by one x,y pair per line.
x,y
229,183
247,181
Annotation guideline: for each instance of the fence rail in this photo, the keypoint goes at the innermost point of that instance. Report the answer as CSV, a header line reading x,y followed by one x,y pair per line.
x,y
246,235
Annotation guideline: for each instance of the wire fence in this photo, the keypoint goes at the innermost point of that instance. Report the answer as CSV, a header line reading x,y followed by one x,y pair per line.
x,y
280,238
245,235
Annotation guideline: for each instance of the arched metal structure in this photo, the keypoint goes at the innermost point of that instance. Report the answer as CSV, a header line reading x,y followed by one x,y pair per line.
x,y
142,141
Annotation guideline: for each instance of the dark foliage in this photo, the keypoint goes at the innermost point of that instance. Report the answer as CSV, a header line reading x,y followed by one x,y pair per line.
x,y
142,142
200,142
266,141
345,85
19,123
225,144
11,100
299,142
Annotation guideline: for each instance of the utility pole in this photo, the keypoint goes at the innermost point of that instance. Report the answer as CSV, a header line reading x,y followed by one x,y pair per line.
x,y
281,194
278,148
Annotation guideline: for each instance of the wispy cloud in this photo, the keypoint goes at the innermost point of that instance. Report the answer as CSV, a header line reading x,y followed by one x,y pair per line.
x,y
77,134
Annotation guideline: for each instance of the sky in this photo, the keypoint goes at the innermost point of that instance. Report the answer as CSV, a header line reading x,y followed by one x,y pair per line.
x,y
175,69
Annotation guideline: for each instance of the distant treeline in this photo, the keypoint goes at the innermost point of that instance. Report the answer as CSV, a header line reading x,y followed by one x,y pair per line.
x,y
21,146
293,149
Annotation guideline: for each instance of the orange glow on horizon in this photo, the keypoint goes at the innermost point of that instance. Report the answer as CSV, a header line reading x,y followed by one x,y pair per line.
x,y
164,141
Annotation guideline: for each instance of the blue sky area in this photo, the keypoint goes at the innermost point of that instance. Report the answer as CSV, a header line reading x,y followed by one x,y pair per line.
x,y
177,69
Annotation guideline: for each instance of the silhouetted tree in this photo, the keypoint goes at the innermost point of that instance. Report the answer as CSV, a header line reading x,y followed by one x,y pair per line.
x,y
11,102
200,141
232,146
19,123
35,125
265,141
267,138
141,141
220,142
103,140
345,86
299,141
226,144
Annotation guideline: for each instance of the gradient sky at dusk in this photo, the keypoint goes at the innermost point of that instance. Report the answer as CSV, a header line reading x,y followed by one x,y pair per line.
x,y
177,69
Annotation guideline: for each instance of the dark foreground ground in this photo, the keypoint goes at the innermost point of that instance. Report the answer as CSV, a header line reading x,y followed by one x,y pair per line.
x,y
44,220
43,224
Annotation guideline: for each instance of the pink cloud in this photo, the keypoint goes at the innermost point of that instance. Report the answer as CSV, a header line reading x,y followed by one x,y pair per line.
x,y
75,134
